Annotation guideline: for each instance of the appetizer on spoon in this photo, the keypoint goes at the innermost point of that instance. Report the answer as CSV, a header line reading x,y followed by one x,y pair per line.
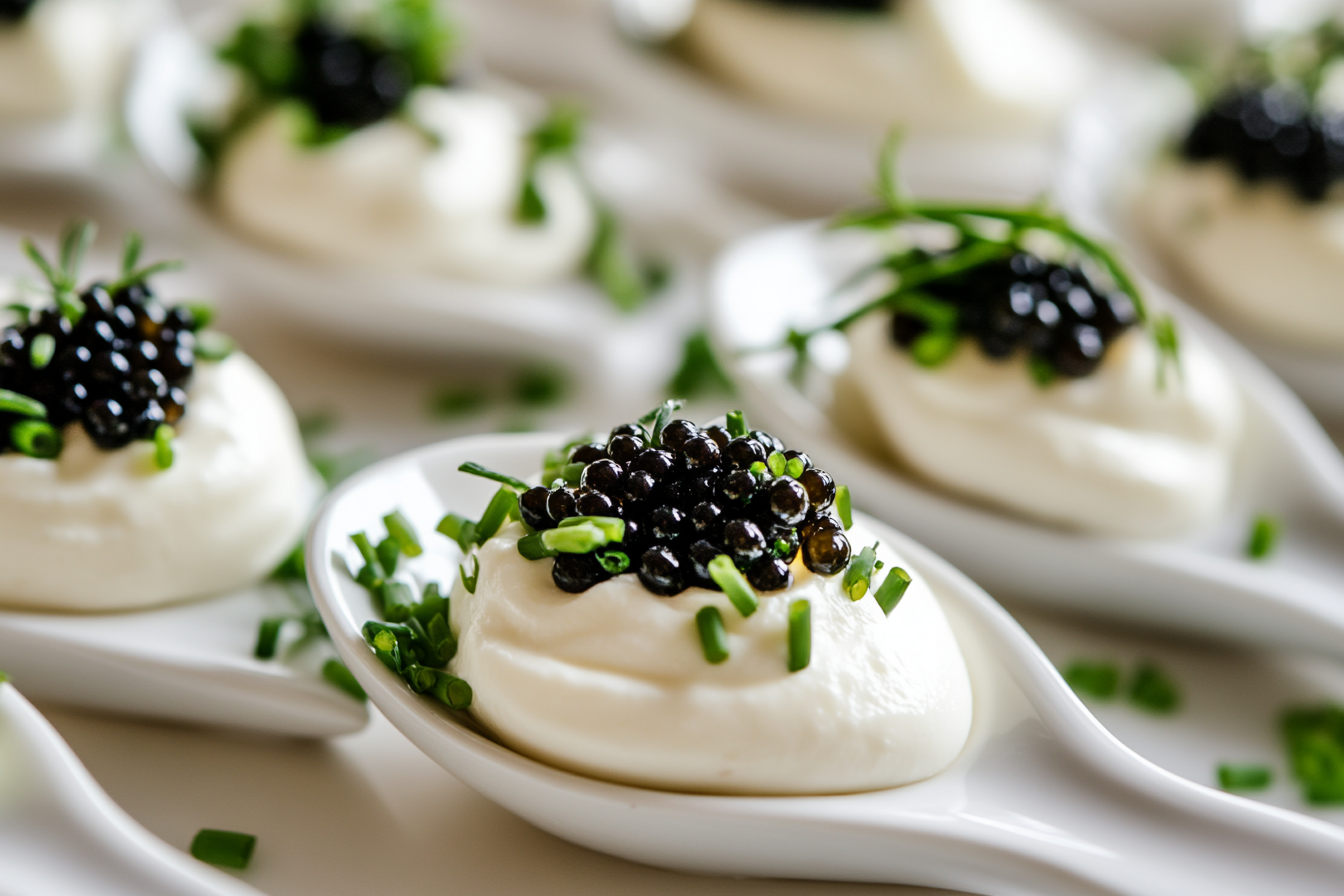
x,y
1005,389
971,764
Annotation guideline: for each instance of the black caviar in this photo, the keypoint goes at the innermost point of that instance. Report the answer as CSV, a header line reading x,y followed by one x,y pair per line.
x,y
347,80
15,10
688,496
1271,133
874,6
121,370
1022,302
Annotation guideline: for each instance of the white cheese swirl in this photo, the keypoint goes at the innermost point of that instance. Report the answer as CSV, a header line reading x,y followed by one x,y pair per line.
x,y
612,683
1108,453
433,192
949,66
62,56
101,530
1255,251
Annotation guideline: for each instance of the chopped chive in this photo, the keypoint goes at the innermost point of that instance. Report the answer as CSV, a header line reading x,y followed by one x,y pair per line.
x,y
859,572
613,526
533,548
420,678
370,576
1092,679
892,589
501,508
202,313
614,562
476,469
130,252
935,347
163,446
734,584
293,568
459,529
400,529
737,424
794,468
713,636
659,417
1314,737
1264,537
758,469
572,473
228,849
212,345
366,551
21,311
1168,341
776,463
1153,690
452,690
700,372
539,386
578,539
843,507
469,580
800,634
1042,371
42,350
1244,777
75,242
385,647
334,671
36,438
432,603
441,639
14,403
458,401
389,552
268,635
398,601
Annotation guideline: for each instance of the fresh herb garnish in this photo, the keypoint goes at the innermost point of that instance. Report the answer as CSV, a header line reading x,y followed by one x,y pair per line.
x,y
1264,536
228,849
892,589
1098,680
335,672
800,635
734,585
699,373
1242,777
713,636
1153,690
1314,736
163,446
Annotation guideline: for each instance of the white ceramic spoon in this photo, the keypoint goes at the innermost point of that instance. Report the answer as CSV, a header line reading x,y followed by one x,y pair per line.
x,y
1108,143
1042,800
676,216
61,834
1201,583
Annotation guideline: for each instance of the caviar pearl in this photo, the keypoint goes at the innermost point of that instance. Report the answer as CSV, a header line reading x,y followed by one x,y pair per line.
x,y
744,540
826,551
576,573
661,572
561,504
603,475
532,506
788,501
769,574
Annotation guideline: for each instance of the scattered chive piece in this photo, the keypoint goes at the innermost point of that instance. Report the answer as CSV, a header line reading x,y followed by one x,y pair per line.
x,y
4,676
36,438
737,424
614,562
1244,777
469,579
43,347
776,463
476,469
699,372
572,473
268,635
400,529
441,639
800,635
130,252
657,418
794,468
213,345
385,647
398,601
202,313
734,584
163,446
578,539
334,671
537,387
459,529
892,589
758,469
1314,736
228,849
1168,343
1100,681
1264,537
533,548
1153,691
613,526
452,690
503,506
389,552
713,636
859,572
843,507
366,551
420,678
293,568
14,403
1042,372
457,401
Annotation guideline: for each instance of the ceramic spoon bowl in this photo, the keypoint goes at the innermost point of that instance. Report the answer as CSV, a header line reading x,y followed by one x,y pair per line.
x,y
1042,799
60,833
1201,583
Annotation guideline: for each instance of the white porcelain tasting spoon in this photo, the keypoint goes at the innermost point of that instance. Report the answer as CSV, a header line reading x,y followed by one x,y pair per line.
x,y
61,834
1042,799
1202,583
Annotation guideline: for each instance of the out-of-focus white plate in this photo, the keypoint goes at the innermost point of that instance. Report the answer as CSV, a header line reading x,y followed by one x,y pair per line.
x,y
1108,143
60,833
1200,583
671,214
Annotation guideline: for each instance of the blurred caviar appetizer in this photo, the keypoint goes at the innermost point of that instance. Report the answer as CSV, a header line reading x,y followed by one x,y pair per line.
x,y
1009,358
681,607
1247,204
970,67
144,460
350,138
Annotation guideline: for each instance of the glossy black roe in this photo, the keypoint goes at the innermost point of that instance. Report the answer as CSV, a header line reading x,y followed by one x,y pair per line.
x,y
660,571
118,371
14,10
347,80
769,574
1271,133
577,572
869,6
1024,303
532,506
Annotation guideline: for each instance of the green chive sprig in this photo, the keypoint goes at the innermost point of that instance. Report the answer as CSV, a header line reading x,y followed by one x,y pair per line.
x,y
735,585
228,849
893,588
163,446
36,438
335,672
800,635
859,572
14,403
843,507
476,469
713,635
1244,777
1264,536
